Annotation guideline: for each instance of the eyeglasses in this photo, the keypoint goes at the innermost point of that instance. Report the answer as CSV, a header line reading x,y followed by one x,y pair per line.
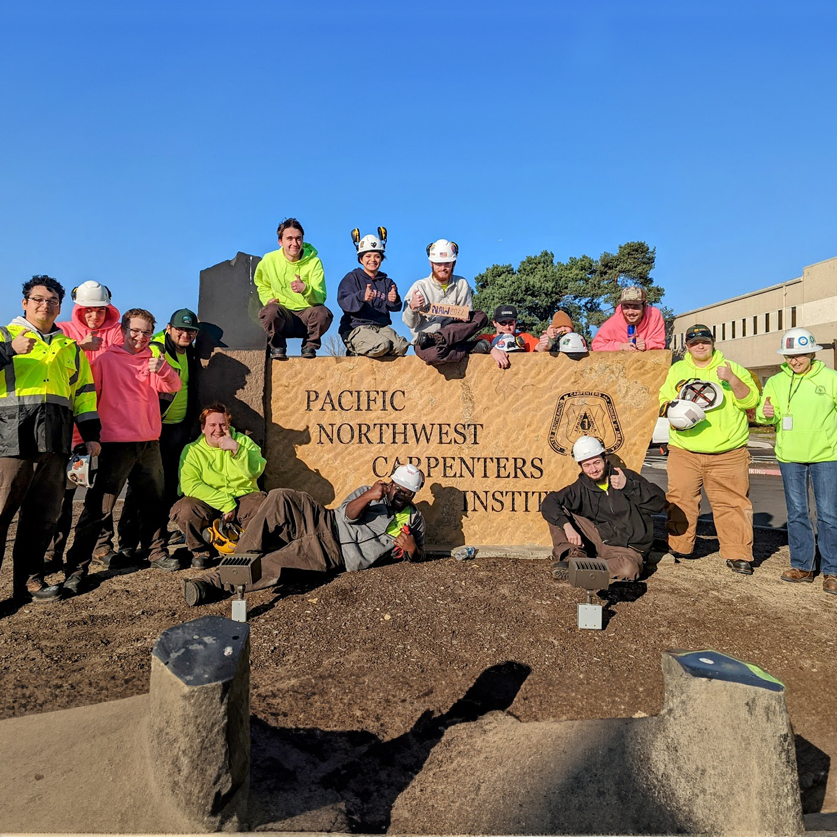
x,y
138,332
39,300
192,331
507,322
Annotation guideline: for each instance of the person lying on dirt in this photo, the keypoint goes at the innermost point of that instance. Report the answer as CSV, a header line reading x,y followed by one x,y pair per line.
x,y
291,529
605,513
218,479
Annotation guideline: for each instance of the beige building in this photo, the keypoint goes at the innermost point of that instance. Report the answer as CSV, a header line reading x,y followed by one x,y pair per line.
x,y
748,328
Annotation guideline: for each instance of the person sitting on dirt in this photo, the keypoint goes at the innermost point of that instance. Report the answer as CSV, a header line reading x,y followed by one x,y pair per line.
x,y
605,513
507,338
440,339
367,295
635,326
219,475
292,530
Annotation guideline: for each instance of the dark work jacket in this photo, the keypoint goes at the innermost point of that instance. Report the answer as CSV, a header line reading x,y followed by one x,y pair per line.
x,y
164,345
357,312
623,517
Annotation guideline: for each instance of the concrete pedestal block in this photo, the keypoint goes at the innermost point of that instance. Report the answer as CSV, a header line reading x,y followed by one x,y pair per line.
x,y
228,304
199,721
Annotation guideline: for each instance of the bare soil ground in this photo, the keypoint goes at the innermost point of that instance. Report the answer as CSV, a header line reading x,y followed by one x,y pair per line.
x,y
355,677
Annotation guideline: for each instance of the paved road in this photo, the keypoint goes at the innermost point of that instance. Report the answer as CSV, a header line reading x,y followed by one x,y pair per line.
x,y
765,488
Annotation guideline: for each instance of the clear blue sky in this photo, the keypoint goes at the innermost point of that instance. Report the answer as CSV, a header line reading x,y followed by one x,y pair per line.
x,y
142,142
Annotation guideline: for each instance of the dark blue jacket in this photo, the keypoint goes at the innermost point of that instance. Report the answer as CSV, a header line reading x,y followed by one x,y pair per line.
x,y
356,311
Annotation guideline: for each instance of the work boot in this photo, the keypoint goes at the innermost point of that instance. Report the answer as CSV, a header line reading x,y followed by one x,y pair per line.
x,y
427,339
278,353
200,561
197,592
740,566
37,590
561,568
106,559
481,347
309,352
829,584
164,562
795,574
73,584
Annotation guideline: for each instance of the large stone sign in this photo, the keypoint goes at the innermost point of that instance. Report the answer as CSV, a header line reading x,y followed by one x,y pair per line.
x,y
491,442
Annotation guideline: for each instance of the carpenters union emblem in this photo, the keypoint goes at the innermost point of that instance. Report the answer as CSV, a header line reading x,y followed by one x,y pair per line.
x,y
584,414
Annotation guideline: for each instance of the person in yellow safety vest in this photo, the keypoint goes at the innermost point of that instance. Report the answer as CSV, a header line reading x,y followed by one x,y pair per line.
x,y
45,385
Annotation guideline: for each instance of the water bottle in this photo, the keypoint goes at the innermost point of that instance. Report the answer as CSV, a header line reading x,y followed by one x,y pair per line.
x,y
465,553
632,334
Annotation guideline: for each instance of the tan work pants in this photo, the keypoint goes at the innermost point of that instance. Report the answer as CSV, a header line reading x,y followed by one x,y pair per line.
x,y
726,479
623,562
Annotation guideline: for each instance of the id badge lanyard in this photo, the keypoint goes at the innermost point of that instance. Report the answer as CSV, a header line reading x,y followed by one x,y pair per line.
x,y
787,421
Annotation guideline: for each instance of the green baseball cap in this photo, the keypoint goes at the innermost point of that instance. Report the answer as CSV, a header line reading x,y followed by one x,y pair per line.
x,y
184,318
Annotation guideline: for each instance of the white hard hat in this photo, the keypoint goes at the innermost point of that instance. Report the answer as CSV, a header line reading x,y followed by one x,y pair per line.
x,y
706,394
370,244
409,477
798,341
683,415
91,295
81,469
442,251
508,343
573,343
586,447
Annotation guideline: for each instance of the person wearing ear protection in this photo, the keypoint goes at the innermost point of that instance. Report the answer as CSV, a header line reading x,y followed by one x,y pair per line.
x,y
441,339
367,295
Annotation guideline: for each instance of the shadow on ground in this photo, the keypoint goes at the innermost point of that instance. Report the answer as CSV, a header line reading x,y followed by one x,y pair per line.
x,y
312,779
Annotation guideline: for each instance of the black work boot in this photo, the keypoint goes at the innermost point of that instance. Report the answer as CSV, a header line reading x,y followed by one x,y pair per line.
x,y
197,592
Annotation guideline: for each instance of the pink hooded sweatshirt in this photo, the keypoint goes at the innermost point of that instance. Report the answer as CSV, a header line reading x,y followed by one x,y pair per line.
x,y
129,408
614,330
110,332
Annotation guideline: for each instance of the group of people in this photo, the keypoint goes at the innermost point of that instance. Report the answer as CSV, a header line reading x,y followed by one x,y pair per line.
x,y
108,387
438,309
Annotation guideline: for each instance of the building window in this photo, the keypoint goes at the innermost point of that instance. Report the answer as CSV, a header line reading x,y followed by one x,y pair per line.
x,y
714,332
743,327
780,317
723,331
755,326
767,322
732,330
793,317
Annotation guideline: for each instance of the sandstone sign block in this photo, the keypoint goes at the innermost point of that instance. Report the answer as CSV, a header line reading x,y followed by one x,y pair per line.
x,y
492,443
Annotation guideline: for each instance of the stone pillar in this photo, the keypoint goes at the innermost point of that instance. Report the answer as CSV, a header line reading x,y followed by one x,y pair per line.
x,y
722,751
199,721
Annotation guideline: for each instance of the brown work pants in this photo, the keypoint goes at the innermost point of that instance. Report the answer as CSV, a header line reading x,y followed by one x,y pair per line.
x,y
726,479
290,529
280,323
452,340
623,562
34,486
192,516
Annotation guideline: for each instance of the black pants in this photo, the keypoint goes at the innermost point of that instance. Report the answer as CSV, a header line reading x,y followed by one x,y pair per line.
x,y
33,486
120,462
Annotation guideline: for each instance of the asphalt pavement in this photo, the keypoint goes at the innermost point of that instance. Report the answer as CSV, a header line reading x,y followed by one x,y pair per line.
x,y
766,490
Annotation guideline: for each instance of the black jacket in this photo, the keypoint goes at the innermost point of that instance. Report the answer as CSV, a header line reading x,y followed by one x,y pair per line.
x,y
168,350
623,517
358,312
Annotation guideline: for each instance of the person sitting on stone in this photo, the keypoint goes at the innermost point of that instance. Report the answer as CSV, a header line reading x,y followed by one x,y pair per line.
x,y
219,475
291,286
292,530
506,338
367,295
635,326
561,324
605,513
440,339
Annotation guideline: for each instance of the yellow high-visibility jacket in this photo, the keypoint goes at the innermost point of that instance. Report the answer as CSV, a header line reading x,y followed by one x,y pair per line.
x,y
42,393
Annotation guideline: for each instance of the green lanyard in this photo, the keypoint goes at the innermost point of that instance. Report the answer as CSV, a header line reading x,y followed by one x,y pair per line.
x,y
791,390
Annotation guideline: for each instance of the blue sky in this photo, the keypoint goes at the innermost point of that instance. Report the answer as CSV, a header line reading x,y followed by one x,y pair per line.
x,y
142,142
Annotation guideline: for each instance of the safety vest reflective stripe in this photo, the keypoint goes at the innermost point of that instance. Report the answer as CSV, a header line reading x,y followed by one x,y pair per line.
x,y
74,377
46,398
86,388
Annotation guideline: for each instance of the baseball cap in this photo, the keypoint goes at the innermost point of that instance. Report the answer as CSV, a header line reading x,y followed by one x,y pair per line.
x,y
632,294
699,331
184,318
505,312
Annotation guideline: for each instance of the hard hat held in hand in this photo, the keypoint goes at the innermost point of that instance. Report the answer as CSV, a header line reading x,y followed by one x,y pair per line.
x,y
442,251
586,447
91,295
683,415
409,477
798,341
82,468
508,343
706,394
573,344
